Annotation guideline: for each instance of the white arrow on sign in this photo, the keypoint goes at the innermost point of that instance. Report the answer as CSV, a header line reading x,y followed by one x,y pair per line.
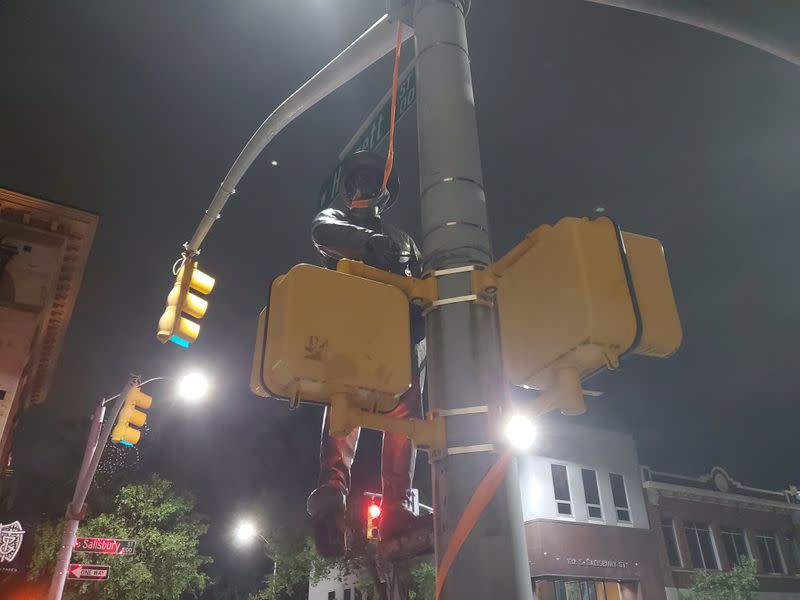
x,y
88,572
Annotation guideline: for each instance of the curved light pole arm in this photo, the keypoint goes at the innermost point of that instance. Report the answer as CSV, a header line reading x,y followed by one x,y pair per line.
x,y
770,25
373,44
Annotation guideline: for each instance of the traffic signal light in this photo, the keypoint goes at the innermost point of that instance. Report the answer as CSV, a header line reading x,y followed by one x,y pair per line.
x,y
173,326
577,296
373,520
130,418
328,333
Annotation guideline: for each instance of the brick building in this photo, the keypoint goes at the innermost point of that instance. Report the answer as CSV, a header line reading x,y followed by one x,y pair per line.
x,y
43,252
710,522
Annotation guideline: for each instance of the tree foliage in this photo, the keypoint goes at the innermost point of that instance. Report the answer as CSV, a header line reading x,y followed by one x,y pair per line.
x,y
423,581
296,567
738,584
299,566
167,562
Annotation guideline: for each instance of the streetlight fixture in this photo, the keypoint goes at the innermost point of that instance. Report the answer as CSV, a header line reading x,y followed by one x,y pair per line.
x,y
245,531
192,386
520,432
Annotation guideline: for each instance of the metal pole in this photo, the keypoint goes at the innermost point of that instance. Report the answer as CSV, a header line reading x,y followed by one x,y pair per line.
x,y
75,510
373,44
268,546
464,362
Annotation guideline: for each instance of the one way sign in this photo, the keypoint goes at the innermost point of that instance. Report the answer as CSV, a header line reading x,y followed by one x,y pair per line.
x,y
88,572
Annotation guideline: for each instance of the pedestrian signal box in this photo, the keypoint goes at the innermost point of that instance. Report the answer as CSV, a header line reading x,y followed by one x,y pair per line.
x,y
579,295
327,333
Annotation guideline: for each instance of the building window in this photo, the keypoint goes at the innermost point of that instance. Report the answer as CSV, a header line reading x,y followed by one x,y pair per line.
x,y
796,550
561,489
770,552
587,589
591,493
701,546
671,542
2,394
735,546
347,594
620,498
332,595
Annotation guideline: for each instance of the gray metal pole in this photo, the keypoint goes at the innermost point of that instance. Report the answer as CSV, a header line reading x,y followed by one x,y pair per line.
x,y
372,45
464,362
75,513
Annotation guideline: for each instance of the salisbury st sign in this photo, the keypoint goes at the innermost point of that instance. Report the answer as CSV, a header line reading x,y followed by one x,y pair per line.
x,y
105,546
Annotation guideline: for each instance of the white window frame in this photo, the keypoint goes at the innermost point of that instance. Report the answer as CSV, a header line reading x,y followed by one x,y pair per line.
x,y
681,562
620,522
722,533
601,518
571,502
700,546
772,535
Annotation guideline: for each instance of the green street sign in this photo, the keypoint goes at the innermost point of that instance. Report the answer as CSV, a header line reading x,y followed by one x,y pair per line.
x,y
373,132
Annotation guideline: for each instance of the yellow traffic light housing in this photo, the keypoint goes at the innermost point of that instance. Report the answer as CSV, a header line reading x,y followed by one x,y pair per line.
x,y
329,334
573,298
130,418
174,326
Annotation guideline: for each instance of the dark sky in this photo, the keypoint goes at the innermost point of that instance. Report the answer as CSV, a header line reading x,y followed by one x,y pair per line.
x,y
135,110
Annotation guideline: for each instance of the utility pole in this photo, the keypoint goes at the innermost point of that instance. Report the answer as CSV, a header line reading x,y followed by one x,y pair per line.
x,y
102,424
464,368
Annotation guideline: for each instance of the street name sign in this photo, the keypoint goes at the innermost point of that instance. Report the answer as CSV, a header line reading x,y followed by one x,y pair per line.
x,y
88,572
105,546
373,131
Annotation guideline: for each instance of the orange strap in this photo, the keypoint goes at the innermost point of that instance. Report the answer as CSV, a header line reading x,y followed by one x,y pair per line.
x,y
480,500
387,170
395,76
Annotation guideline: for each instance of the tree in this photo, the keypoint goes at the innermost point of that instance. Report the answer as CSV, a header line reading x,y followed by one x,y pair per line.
x,y
738,584
299,566
424,581
167,530
296,567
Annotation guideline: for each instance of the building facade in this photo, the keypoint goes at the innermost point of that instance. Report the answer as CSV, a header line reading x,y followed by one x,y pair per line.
x,y
586,520
601,527
43,252
336,586
713,521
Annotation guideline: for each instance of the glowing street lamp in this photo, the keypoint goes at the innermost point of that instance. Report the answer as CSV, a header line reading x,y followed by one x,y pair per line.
x,y
520,432
246,531
193,386
118,418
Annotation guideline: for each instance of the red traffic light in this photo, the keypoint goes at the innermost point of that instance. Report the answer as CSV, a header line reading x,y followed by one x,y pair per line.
x,y
374,511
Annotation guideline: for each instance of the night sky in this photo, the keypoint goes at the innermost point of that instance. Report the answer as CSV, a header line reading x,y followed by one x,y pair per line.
x,y
135,111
